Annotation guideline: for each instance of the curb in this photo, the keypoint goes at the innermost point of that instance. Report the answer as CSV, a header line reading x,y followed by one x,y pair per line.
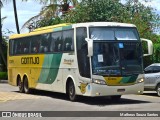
x,y
3,81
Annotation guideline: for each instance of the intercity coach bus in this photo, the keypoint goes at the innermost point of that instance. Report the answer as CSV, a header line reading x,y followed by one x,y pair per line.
x,y
87,59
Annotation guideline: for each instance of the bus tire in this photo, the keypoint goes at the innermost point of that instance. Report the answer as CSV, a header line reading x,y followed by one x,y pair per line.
x,y
116,97
158,90
20,85
71,91
27,90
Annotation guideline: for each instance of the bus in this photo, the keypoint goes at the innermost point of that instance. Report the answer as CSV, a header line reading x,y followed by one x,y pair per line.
x,y
87,59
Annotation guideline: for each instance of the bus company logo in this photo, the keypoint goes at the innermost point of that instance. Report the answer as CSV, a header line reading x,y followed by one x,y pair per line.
x,y
112,78
11,61
68,62
30,60
6,114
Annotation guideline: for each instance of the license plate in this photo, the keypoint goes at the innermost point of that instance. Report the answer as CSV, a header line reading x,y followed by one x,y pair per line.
x,y
120,90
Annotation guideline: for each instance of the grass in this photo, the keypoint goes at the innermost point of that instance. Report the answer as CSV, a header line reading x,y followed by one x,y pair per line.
x,y
3,76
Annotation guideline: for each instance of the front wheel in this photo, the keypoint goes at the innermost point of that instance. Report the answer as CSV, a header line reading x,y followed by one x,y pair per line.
x,y
71,91
158,90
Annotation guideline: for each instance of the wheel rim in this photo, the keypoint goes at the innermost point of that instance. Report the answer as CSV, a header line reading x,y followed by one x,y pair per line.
x,y
26,86
71,91
20,85
158,91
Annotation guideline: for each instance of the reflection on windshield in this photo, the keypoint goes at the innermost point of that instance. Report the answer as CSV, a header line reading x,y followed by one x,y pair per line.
x,y
105,58
131,58
105,33
116,58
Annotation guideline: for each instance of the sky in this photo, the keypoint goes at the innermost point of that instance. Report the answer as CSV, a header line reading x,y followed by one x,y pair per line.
x,y
26,10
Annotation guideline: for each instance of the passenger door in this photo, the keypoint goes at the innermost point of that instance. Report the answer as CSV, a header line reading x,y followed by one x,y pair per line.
x,y
148,76
156,76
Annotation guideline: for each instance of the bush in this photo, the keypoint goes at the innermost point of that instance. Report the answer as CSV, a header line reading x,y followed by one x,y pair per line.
x,y
3,76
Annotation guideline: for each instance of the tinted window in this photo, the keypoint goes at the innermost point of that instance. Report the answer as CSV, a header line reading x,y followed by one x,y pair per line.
x,y
68,40
82,52
35,44
44,43
152,69
21,46
56,42
119,33
11,44
156,69
149,69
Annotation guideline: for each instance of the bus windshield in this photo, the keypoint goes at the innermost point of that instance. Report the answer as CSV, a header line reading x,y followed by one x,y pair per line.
x,y
106,33
116,51
116,58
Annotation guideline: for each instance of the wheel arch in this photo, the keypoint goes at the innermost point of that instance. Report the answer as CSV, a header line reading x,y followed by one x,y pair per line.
x,y
18,76
25,75
158,84
69,78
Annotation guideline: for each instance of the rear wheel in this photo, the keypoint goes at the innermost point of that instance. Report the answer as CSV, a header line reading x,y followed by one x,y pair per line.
x,y
158,90
26,86
71,91
20,85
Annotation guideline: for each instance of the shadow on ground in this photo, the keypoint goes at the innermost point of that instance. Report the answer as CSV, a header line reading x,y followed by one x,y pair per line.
x,y
151,94
100,101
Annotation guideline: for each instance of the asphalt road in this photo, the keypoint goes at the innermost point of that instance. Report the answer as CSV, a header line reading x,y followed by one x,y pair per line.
x,y
12,100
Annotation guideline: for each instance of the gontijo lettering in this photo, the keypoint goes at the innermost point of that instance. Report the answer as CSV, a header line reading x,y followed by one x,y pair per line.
x,y
30,60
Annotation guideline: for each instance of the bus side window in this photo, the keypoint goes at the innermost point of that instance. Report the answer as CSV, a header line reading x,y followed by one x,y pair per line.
x,y
52,46
41,49
82,52
25,50
56,42
68,40
34,50
68,47
45,49
18,48
59,47
45,43
11,44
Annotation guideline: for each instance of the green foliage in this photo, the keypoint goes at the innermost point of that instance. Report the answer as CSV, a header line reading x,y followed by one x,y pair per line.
x,y
50,14
97,10
4,48
156,55
132,11
47,22
3,76
143,17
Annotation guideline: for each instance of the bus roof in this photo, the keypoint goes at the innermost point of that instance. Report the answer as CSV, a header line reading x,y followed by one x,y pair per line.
x,y
59,27
51,27
108,24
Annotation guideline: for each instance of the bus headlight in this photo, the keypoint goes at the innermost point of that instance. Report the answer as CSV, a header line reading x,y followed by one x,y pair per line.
x,y
140,80
101,82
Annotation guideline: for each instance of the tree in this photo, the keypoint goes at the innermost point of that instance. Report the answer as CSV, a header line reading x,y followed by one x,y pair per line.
x,y
15,13
17,26
1,39
50,14
16,17
146,21
143,17
132,11
97,10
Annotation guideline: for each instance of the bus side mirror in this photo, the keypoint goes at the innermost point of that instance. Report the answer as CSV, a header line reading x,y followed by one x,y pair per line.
x,y
90,46
149,45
